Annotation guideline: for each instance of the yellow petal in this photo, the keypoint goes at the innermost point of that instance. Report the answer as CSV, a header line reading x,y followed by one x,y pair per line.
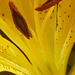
x,y
4,10
6,65
64,56
39,16
65,19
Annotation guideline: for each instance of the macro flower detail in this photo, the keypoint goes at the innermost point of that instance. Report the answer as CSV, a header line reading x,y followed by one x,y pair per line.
x,y
37,37
19,20
47,4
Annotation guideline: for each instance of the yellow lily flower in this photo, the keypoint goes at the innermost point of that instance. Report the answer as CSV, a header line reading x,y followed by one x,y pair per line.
x,y
37,36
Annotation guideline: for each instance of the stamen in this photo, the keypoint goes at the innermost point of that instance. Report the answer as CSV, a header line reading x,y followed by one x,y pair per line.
x,y
47,4
19,20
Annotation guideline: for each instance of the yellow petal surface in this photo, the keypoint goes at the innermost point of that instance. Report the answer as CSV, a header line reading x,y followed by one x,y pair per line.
x,y
65,19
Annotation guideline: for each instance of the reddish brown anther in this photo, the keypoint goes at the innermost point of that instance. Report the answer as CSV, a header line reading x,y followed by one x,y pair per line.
x,y
19,20
47,4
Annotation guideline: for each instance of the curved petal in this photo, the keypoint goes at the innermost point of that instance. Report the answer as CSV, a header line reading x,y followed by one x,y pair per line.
x,y
6,65
66,10
11,53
